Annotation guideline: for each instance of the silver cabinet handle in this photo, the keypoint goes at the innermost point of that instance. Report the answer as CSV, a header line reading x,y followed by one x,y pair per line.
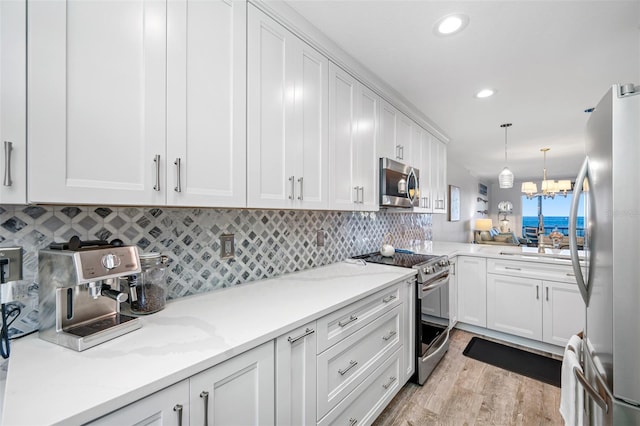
x,y
398,152
351,365
357,199
8,147
390,335
512,268
300,197
178,409
352,318
390,382
205,396
547,288
156,160
537,292
362,195
293,188
389,298
307,332
595,396
352,421
428,202
178,187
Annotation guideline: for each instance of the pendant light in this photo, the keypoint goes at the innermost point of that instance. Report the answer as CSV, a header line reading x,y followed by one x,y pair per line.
x,y
505,178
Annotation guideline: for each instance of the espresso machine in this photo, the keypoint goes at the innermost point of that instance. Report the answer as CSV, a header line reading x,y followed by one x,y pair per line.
x,y
80,294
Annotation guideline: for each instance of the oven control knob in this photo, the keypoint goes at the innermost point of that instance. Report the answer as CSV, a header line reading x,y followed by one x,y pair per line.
x,y
428,269
443,263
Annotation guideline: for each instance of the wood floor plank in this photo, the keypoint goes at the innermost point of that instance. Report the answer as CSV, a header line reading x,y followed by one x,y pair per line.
x,y
464,391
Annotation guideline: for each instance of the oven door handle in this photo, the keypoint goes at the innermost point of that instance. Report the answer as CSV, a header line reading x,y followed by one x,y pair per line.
x,y
438,283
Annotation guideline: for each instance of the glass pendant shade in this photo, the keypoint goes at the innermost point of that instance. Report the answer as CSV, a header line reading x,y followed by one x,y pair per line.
x,y
505,178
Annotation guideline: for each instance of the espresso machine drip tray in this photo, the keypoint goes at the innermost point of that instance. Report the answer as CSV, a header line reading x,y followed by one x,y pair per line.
x,y
99,325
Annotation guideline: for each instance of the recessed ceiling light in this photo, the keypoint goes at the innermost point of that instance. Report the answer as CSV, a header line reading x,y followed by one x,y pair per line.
x,y
451,24
485,93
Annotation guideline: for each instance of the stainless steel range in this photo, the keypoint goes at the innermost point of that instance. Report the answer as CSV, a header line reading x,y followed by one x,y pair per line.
x,y
432,339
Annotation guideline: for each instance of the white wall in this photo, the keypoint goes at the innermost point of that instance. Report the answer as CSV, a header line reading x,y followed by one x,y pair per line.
x,y
460,231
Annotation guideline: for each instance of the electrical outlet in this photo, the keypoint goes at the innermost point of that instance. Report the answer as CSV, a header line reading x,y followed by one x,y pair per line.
x,y
11,257
227,246
320,234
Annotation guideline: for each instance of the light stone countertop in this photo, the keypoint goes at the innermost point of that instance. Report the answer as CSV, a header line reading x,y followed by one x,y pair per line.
x,y
50,384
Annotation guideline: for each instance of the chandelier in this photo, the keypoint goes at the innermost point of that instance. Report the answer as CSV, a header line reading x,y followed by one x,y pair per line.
x,y
548,188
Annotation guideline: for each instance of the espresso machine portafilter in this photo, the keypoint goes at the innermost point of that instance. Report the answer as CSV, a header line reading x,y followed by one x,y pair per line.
x,y
80,295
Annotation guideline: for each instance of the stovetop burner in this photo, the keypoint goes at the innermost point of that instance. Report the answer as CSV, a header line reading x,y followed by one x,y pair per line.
x,y
404,260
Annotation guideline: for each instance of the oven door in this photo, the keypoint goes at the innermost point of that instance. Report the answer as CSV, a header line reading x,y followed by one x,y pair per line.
x,y
432,337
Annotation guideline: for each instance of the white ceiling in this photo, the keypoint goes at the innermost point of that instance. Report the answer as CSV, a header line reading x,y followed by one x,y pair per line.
x,y
548,60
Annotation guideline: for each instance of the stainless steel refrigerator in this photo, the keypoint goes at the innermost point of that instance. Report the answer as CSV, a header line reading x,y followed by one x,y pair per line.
x,y
609,280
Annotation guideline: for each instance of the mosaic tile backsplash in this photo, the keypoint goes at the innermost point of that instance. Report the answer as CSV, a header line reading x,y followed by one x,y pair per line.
x,y
268,242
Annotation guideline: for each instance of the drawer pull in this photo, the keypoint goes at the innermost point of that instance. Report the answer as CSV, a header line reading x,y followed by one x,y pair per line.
x,y
352,318
390,382
512,268
352,421
178,409
390,335
205,395
351,365
307,332
389,298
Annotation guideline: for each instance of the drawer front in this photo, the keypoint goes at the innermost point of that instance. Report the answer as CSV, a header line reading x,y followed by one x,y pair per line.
x,y
345,365
344,322
364,404
541,271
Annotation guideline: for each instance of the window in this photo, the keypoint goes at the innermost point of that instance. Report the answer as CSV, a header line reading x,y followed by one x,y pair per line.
x,y
554,213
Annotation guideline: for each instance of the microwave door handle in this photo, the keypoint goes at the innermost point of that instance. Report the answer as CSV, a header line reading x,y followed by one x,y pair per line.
x,y
573,238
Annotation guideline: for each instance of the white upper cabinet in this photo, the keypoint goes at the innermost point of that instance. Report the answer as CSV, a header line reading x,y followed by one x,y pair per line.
x,y
404,140
287,141
206,91
353,129
119,91
439,175
387,146
13,98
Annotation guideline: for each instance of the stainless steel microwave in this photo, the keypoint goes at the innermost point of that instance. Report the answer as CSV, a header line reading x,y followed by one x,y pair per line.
x,y
399,184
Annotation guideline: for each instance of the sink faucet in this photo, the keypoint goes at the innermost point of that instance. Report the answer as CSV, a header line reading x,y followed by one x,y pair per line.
x,y
541,243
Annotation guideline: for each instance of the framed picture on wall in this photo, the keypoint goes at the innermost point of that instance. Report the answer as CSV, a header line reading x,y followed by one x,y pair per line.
x,y
482,189
454,203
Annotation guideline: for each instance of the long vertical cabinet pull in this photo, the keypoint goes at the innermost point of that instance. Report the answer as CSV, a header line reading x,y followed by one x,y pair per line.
x,y
362,195
178,163
156,160
292,193
537,292
547,288
205,395
8,147
178,409
357,199
301,196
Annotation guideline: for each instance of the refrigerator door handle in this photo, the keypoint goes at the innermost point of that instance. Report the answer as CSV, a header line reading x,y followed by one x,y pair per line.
x,y
573,237
593,394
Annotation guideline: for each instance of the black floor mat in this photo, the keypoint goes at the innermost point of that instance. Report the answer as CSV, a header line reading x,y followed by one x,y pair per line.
x,y
528,364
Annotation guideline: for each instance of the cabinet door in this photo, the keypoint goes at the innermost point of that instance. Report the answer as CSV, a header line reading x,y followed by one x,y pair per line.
x,y
514,305
563,312
439,154
13,98
388,131
96,118
409,338
342,129
237,392
426,173
287,137
472,290
403,139
168,407
366,158
206,80
296,377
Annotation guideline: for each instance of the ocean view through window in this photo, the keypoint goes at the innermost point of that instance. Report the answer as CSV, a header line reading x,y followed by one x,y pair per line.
x,y
554,213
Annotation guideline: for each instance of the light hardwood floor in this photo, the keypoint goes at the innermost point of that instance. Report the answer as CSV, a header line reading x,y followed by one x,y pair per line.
x,y
463,391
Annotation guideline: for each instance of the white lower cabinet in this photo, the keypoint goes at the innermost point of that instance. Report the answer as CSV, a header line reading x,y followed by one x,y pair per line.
x,y
472,290
522,303
167,407
363,405
296,376
236,392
